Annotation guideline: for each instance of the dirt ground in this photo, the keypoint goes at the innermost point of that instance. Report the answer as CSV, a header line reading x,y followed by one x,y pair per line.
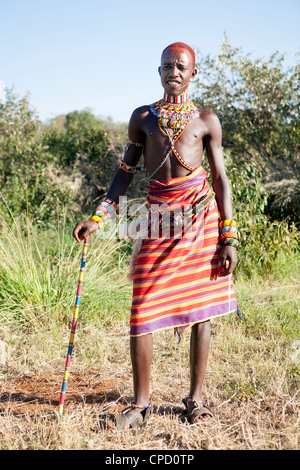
x,y
31,393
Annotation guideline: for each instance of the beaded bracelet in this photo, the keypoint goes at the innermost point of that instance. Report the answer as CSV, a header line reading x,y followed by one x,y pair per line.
x,y
104,211
228,232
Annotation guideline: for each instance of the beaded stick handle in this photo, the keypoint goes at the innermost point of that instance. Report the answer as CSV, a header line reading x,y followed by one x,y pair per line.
x,y
73,328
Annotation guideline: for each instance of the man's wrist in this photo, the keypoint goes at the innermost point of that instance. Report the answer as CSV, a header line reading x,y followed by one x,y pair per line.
x,y
104,212
228,232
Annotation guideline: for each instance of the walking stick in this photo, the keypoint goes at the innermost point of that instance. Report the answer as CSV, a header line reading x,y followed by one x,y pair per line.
x,y
73,328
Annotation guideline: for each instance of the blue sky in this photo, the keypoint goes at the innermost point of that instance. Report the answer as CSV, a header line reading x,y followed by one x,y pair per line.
x,y
104,55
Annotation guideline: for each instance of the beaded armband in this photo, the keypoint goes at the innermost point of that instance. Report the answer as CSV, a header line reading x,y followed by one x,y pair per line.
x,y
104,211
129,168
228,232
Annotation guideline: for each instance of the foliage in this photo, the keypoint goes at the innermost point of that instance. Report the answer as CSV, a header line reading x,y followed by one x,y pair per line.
x,y
88,150
257,102
25,185
69,162
44,168
263,242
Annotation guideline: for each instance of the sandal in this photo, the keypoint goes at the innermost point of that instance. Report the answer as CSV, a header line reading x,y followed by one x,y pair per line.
x,y
126,420
197,411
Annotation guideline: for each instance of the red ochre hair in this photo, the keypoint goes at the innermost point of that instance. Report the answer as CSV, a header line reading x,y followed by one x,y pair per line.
x,y
182,45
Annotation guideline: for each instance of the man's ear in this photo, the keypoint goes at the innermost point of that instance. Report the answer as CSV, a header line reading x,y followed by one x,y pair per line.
x,y
159,70
194,73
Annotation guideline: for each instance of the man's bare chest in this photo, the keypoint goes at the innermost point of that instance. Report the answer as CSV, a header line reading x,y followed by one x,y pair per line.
x,y
156,135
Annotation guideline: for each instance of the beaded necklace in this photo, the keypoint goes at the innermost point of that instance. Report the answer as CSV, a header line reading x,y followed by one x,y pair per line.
x,y
174,113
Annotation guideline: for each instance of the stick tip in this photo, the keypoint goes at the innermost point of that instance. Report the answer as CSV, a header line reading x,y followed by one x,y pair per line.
x,y
60,411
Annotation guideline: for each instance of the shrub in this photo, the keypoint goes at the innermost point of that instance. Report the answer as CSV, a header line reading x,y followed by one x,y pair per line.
x,y
25,182
263,241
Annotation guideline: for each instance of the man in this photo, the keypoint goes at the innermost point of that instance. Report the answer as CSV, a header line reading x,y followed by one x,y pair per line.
x,y
179,282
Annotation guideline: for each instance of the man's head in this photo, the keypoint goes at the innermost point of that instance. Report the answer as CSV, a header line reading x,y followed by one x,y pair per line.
x,y
177,68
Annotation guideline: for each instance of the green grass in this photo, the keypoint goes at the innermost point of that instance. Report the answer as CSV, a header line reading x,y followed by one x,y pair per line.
x,y
39,272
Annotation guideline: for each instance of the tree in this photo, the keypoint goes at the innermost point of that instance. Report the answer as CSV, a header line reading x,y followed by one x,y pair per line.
x,y
257,102
25,183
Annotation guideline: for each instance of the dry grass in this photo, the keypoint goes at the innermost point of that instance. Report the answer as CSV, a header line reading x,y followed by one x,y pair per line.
x,y
247,388
251,383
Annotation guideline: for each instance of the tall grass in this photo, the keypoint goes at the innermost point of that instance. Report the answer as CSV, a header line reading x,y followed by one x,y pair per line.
x,y
39,272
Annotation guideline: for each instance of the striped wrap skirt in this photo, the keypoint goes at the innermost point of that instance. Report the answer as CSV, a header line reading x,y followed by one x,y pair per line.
x,y
176,280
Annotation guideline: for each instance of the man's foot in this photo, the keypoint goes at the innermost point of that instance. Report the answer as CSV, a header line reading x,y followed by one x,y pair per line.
x,y
133,416
197,412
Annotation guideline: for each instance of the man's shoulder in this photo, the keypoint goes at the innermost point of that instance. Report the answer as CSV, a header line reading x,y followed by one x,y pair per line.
x,y
210,119
141,112
138,117
207,115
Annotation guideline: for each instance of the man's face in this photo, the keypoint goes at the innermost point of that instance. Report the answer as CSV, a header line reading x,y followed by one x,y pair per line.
x,y
176,70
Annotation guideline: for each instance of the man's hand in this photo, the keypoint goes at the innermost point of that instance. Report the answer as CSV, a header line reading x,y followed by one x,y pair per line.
x,y
83,229
227,260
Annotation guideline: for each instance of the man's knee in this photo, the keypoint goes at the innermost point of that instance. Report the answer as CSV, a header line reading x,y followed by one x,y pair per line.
x,y
202,325
202,328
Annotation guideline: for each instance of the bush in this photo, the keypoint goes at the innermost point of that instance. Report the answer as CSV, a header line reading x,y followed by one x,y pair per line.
x,y
257,102
87,152
263,241
25,182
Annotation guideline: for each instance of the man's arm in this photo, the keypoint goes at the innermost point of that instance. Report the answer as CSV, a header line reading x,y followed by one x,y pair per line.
x,y
221,187
122,179
134,149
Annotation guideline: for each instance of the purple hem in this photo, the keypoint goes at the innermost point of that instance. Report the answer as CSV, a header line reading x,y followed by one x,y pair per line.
x,y
184,320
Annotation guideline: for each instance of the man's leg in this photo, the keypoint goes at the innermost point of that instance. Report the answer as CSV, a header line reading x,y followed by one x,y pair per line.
x,y
141,349
200,342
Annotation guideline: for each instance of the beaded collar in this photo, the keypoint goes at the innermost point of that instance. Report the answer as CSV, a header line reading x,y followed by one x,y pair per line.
x,y
176,99
174,112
